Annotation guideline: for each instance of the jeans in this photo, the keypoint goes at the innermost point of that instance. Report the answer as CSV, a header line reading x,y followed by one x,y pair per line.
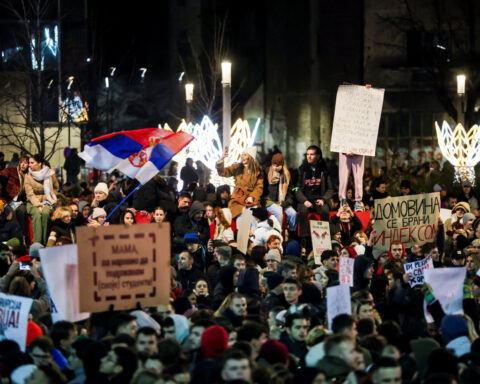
x,y
291,215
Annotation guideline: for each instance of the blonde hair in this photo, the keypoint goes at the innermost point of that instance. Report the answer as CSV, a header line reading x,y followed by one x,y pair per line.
x,y
61,212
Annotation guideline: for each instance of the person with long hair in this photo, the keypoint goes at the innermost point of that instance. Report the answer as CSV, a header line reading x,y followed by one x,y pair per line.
x,y
159,215
62,228
127,218
276,196
248,180
41,187
223,232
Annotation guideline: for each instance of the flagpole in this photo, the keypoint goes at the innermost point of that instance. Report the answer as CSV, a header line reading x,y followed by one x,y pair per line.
x,y
119,204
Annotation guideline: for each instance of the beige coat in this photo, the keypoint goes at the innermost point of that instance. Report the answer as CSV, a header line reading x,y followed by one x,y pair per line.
x,y
253,183
35,192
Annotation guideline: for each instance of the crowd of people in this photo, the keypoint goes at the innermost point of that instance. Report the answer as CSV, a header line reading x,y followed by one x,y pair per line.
x,y
253,317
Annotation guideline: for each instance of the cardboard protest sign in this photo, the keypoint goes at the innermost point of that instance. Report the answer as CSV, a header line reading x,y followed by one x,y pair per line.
x,y
345,273
338,302
321,241
243,226
416,270
356,120
410,219
59,266
123,265
14,312
447,286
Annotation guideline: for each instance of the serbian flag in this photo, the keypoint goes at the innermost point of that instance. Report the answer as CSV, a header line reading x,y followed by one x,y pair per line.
x,y
138,154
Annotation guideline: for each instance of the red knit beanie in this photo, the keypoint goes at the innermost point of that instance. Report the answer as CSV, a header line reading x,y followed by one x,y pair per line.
x,y
274,351
33,331
278,159
214,341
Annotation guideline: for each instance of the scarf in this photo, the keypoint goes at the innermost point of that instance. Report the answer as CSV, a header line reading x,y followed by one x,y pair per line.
x,y
45,176
281,178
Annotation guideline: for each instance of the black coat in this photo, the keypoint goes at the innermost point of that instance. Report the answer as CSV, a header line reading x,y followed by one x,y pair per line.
x,y
313,183
109,205
9,228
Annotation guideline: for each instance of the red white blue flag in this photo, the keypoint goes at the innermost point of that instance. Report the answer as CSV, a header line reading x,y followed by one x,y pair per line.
x,y
138,154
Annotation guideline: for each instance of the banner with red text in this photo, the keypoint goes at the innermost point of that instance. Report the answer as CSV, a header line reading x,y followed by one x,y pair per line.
x,y
409,219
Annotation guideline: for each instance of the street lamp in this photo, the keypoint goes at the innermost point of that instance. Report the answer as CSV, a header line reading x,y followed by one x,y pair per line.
x,y
227,107
461,98
188,98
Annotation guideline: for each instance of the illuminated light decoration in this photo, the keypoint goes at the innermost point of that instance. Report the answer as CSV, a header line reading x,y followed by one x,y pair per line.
x,y
48,44
189,92
207,146
461,149
112,71
107,82
461,84
74,109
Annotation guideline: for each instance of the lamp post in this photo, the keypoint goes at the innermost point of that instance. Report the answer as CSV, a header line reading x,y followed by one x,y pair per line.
x,y
188,99
227,107
461,99
68,105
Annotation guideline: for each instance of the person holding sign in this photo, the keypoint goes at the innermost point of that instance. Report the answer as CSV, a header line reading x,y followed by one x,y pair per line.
x,y
314,188
346,222
355,163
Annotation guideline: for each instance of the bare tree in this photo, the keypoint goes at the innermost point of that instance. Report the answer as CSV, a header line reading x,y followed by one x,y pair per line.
x,y
28,87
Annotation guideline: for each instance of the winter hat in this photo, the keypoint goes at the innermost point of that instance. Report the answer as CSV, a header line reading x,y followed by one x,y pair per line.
x,y
19,375
278,159
97,212
422,348
274,254
102,187
453,326
181,327
214,341
145,320
274,352
260,213
252,151
467,217
405,184
13,242
351,252
191,238
82,205
466,183
34,250
273,279
462,204
293,248
33,331
437,188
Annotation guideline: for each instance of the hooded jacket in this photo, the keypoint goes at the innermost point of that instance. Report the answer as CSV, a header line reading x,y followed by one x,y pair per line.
x,y
360,267
185,223
248,283
154,193
313,183
390,256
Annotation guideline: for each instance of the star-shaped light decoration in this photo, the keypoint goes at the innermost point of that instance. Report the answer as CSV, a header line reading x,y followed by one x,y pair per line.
x,y
461,149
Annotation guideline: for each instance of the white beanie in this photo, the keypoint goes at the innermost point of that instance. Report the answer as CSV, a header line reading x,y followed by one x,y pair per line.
x,y
252,151
102,187
97,212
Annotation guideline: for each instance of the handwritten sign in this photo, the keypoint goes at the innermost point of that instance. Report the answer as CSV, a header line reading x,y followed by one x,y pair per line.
x,y
320,232
14,312
445,214
338,302
415,270
123,265
346,271
59,266
356,120
410,219
447,286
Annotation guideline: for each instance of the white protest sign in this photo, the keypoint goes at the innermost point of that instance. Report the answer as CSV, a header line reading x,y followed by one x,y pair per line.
x,y
416,270
338,302
356,120
59,266
320,232
447,286
14,312
445,214
409,219
243,226
346,271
